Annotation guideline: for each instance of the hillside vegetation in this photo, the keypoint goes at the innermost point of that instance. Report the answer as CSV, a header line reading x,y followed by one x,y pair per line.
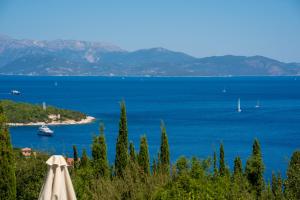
x,y
19,112
132,176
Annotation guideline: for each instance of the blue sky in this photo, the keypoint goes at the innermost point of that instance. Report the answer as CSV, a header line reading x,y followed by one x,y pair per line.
x,y
197,27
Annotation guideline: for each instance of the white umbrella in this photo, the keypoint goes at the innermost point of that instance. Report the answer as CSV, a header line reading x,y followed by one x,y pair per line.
x,y
58,184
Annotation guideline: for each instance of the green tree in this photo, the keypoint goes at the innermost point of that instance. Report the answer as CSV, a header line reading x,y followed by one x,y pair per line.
x,y
96,149
99,154
103,161
215,164
237,169
277,186
222,166
121,159
164,155
75,156
292,183
182,165
154,167
143,157
132,152
255,169
84,159
7,162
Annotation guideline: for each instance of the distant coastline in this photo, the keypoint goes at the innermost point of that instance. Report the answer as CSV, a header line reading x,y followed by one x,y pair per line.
x,y
87,120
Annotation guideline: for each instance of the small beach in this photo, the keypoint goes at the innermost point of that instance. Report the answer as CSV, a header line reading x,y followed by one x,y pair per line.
x,y
87,120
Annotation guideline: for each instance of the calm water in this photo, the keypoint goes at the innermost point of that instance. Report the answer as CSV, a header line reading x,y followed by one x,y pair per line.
x,y
197,114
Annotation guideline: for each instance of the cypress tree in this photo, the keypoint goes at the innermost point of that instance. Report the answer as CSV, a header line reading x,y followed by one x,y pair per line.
x,y
164,151
215,164
7,162
277,186
222,167
103,161
75,156
121,159
75,153
154,167
132,152
143,157
237,169
84,159
96,149
255,169
292,183
99,154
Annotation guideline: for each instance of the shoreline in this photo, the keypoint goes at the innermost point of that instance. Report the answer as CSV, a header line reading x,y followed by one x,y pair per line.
x,y
87,120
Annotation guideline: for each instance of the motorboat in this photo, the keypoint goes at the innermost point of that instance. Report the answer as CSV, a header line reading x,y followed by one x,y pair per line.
x,y
45,131
15,92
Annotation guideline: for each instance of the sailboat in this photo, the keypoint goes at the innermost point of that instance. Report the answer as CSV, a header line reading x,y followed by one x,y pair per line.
x,y
224,90
239,105
257,105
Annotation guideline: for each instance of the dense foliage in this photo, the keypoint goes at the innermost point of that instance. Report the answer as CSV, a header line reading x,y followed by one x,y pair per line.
x,y
193,178
7,162
19,112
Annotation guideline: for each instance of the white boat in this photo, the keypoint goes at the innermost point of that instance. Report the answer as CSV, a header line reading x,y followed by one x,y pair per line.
x,y
239,105
15,92
257,105
224,90
45,131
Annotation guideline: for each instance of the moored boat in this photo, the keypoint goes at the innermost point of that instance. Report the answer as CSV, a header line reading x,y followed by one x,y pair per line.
x,y
45,131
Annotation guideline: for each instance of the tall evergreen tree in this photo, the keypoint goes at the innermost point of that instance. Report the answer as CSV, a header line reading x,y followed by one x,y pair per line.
x,y
237,169
84,159
143,157
103,161
255,169
222,167
132,152
7,162
215,164
99,154
95,149
75,153
277,186
164,151
75,156
154,167
121,159
292,183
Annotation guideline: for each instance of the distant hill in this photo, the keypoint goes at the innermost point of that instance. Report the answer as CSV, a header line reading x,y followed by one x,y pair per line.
x,y
72,57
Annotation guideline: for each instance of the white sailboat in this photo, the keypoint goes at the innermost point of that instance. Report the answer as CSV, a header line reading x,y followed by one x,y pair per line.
x,y
239,105
224,90
257,105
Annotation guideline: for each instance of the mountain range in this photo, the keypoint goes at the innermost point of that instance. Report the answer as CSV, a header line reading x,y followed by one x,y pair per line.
x,y
74,57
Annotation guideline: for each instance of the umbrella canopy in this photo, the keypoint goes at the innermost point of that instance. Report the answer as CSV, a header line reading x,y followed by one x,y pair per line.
x,y
58,184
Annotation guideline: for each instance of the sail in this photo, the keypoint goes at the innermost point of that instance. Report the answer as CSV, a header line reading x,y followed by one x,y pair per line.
x,y
239,106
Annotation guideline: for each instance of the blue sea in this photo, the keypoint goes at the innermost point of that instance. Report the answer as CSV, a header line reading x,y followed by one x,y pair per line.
x,y
197,113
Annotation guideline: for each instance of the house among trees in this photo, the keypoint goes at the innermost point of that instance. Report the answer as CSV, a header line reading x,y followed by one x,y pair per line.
x,y
70,161
26,152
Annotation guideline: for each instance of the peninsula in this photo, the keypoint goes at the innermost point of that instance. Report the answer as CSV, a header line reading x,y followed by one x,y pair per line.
x,y
25,114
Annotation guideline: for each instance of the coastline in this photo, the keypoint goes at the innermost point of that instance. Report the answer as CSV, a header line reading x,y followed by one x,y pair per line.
x,y
87,120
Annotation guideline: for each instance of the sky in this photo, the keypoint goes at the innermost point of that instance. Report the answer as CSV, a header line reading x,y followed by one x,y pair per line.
x,y
197,27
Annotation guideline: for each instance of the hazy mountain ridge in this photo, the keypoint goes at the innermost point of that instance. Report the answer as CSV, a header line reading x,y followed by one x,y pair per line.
x,y
72,57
